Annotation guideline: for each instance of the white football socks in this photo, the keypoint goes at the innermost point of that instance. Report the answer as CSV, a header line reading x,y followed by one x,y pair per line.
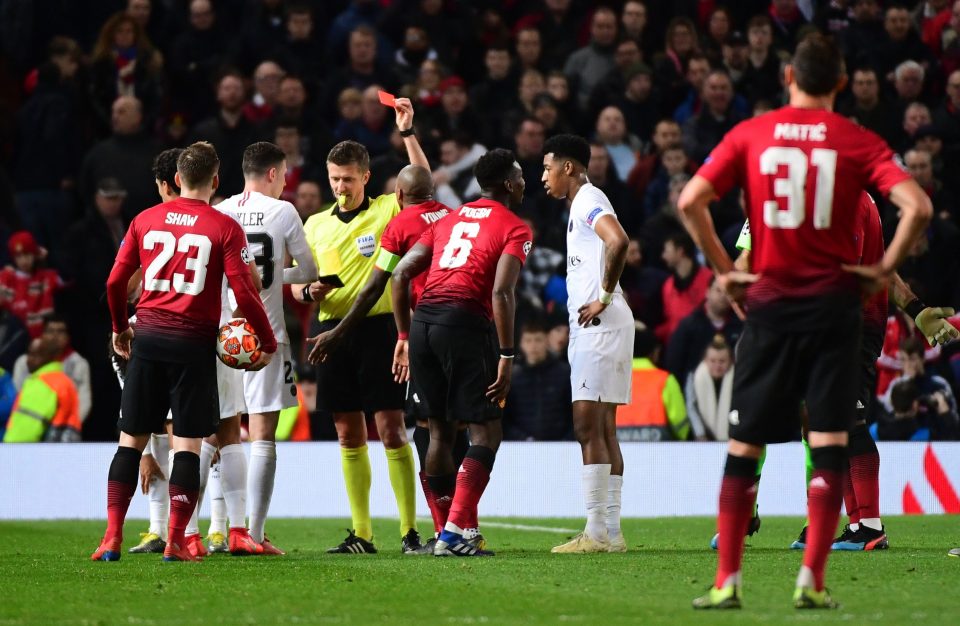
x,y
233,481
596,479
263,469
218,508
614,488
870,522
158,491
206,458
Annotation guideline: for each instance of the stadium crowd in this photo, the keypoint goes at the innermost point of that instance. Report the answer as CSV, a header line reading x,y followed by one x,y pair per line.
x,y
91,92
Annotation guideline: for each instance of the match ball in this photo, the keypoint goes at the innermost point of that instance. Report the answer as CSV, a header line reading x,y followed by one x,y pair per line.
x,y
238,345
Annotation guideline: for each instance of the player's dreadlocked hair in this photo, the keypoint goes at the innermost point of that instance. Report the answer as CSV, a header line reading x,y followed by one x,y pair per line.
x,y
165,167
570,147
817,64
493,168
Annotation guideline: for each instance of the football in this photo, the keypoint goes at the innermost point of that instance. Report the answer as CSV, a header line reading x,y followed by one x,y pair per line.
x,y
238,345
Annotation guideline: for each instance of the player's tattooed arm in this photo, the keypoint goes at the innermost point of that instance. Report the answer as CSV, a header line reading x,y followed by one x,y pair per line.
x,y
615,243
325,343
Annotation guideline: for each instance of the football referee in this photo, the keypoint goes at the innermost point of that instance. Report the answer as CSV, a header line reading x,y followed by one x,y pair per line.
x,y
356,377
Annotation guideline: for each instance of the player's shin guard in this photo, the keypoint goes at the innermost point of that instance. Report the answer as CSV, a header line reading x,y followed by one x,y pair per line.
x,y
158,491
121,485
356,476
864,459
442,488
207,451
233,482
184,494
401,470
472,480
262,474
738,492
824,497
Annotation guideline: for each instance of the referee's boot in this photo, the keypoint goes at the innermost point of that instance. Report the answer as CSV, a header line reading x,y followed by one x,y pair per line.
x,y
353,545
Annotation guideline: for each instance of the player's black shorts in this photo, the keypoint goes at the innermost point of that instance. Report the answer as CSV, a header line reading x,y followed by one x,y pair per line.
x,y
171,375
411,410
777,369
871,344
358,375
451,368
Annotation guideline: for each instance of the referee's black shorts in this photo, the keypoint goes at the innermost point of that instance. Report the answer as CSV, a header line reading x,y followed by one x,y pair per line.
x,y
451,368
779,367
358,375
170,375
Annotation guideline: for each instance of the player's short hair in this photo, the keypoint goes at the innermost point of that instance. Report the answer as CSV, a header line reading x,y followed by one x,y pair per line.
x,y
198,164
912,346
260,157
817,64
567,146
903,394
680,239
350,152
493,168
165,167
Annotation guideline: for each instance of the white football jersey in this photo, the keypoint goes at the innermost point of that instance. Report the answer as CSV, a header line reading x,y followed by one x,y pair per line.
x,y
273,230
586,256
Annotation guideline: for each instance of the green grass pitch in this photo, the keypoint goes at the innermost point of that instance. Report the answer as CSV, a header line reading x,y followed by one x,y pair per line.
x,y
46,578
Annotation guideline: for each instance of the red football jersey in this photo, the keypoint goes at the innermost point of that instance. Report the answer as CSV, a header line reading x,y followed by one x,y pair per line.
x,y
802,172
185,247
402,233
467,247
870,238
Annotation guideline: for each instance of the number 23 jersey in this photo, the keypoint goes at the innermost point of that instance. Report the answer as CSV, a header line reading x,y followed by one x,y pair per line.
x,y
467,246
185,248
802,172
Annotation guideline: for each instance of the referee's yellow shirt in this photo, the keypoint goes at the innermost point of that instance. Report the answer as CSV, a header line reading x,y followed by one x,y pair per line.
x,y
347,244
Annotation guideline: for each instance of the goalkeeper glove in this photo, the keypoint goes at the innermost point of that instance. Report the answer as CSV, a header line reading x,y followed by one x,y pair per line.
x,y
933,324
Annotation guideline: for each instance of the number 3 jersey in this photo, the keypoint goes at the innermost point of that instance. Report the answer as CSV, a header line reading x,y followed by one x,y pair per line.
x,y
185,248
802,172
273,229
467,246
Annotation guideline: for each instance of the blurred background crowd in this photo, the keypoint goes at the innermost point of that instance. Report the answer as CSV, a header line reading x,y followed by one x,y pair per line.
x,y
92,90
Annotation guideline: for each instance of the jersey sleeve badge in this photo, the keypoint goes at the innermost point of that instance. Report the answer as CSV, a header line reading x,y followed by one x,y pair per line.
x,y
593,215
245,255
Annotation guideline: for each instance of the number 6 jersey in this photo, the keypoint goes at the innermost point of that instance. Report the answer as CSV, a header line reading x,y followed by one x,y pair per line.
x,y
467,246
802,172
185,248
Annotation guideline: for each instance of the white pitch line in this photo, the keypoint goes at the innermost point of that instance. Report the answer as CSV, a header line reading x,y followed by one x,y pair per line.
x,y
527,527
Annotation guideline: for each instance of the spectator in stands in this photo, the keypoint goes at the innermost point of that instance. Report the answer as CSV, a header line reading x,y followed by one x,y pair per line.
x,y
266,86
46,155
946,162
670,67
673,161
687,285
665,133
309,198
868,109
558,338
124,63
538,406
864,32
415,50
637,100
287,137
361,70
633,24
950,42
930,18
735,57
709,389
496,94
602,176
698,68
528,143
372,128
902,422
27,289
657,411
587,66
761,81
611,131
530,85
908,80
301,52
195,57
546,109
643,286
947,115
695,332
703,132
454,179
529,49
920,165
900,43
626,54
229,131
915,116
787,20
126,155
47,406
543,264
718,29
57,335
938,407
315,136
456,114
558,25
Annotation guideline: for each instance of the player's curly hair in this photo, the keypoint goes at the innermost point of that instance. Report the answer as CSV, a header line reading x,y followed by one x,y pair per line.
x,y
568,146
493,168
165,167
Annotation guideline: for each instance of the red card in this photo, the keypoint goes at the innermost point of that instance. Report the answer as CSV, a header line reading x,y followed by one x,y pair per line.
x,y
387,99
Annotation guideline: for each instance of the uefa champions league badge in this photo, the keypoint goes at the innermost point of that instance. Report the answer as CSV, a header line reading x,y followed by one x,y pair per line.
x,y
593,215
366,244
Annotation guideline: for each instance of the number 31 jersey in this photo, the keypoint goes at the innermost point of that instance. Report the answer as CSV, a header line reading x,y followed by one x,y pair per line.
x,y
273,230
185,248
467,246
802,172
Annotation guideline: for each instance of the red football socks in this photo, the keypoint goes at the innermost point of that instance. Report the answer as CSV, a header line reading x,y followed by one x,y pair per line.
x,y
824,497
737,495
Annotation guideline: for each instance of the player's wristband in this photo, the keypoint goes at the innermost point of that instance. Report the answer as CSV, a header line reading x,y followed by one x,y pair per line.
x,y
507,353
402,336
914,307
409,132
305,294
605,297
